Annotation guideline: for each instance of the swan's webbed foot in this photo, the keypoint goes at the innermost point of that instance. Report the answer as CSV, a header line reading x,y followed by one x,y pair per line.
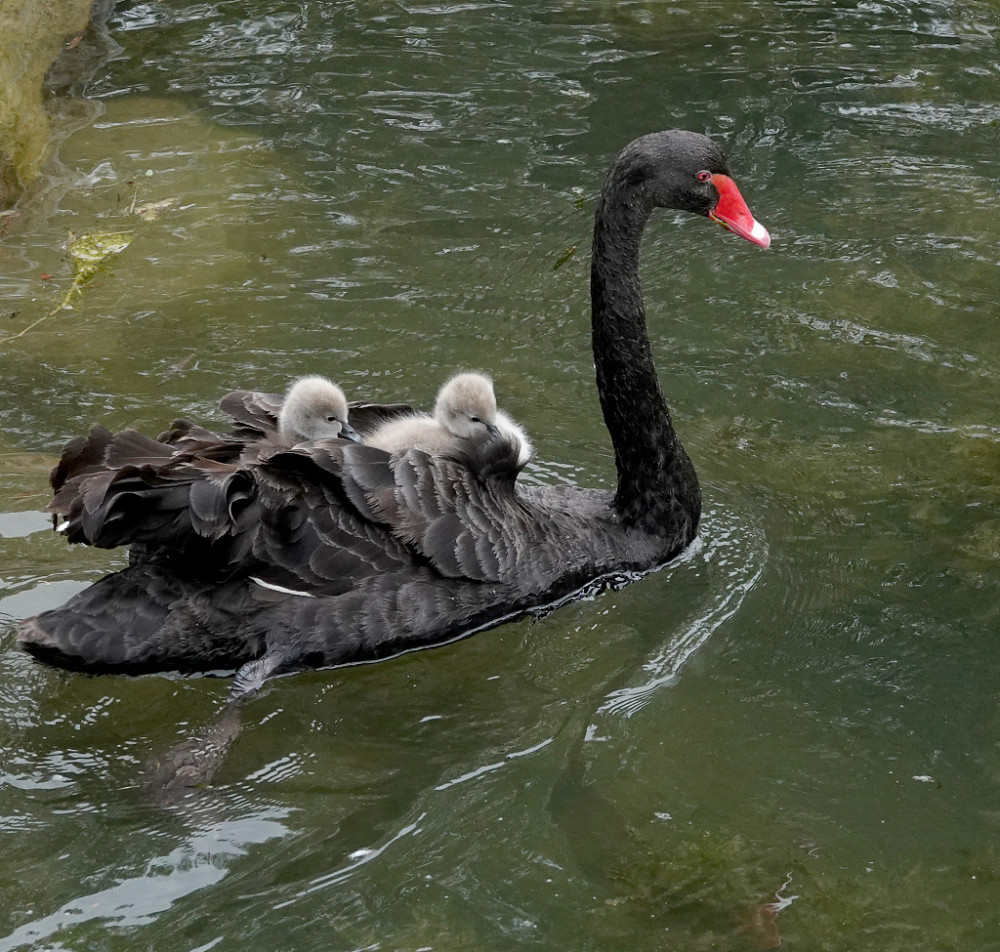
x,y
196,760
250,677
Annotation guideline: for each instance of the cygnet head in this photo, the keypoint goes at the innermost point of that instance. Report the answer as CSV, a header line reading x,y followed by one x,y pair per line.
x,y
315,409
467,407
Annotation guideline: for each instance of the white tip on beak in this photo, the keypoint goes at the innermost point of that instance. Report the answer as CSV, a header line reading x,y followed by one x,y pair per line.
x,y
759,235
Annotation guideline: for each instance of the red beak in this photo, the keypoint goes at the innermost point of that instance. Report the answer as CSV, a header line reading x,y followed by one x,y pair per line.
x,y
732,213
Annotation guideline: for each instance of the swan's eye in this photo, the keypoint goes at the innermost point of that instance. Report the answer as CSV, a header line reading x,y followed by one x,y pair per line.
x,y
475,419
332,419
704,176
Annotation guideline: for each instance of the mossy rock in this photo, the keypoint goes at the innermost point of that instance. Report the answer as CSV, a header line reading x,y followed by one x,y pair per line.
x,y
32,36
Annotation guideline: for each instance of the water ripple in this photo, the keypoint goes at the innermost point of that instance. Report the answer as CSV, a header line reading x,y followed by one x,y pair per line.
x,y
199,863
359,858
497,765
732,554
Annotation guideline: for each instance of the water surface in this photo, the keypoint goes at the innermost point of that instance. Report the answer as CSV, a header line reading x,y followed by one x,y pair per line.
x,y
789,733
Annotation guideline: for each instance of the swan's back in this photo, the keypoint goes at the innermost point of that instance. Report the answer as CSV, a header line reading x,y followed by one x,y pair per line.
x,y
418,431
186,490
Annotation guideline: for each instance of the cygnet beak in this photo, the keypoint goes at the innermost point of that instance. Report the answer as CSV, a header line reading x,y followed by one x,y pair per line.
x,y
347,432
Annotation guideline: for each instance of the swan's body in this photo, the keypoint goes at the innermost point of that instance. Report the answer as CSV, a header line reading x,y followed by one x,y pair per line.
x,y
314,409
248,553
465,415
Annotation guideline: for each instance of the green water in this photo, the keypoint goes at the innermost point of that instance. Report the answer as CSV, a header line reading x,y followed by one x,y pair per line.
x,y
800,712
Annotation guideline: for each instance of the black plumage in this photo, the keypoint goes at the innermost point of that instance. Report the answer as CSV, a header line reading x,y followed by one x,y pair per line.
x,y
251,554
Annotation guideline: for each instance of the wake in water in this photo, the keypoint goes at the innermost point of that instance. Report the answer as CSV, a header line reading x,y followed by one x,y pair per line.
x,y
731,554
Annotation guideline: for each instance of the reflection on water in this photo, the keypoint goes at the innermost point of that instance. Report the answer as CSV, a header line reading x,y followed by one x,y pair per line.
x,y
195,866
728,752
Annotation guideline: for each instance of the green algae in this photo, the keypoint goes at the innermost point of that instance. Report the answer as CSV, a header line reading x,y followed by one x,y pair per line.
x,y
89,254
701,889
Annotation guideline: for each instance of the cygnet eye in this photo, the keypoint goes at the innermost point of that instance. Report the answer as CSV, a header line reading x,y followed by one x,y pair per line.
x,y
475,419
332,419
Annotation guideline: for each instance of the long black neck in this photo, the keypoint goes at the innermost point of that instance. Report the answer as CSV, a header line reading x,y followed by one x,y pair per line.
x,y
657,485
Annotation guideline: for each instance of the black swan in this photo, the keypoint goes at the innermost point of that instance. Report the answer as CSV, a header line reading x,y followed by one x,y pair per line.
x,y
314,409
250,555
465,410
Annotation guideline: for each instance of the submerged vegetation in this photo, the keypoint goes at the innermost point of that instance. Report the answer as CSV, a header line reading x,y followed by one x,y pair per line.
x,y
705,890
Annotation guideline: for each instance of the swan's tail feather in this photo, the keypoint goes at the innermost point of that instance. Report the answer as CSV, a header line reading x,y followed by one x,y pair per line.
x,y
83,454
132,448
124,488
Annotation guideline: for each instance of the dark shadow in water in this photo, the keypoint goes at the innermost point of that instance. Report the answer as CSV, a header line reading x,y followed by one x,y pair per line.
x,y
196,760
594,829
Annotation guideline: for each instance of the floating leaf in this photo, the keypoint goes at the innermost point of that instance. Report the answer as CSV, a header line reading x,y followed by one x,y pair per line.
x,y
89,252
152,210
564,257
175,369
92,250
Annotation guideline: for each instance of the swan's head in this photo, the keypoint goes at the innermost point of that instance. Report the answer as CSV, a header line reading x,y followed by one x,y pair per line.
x,y
315,409
686,170
467,407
